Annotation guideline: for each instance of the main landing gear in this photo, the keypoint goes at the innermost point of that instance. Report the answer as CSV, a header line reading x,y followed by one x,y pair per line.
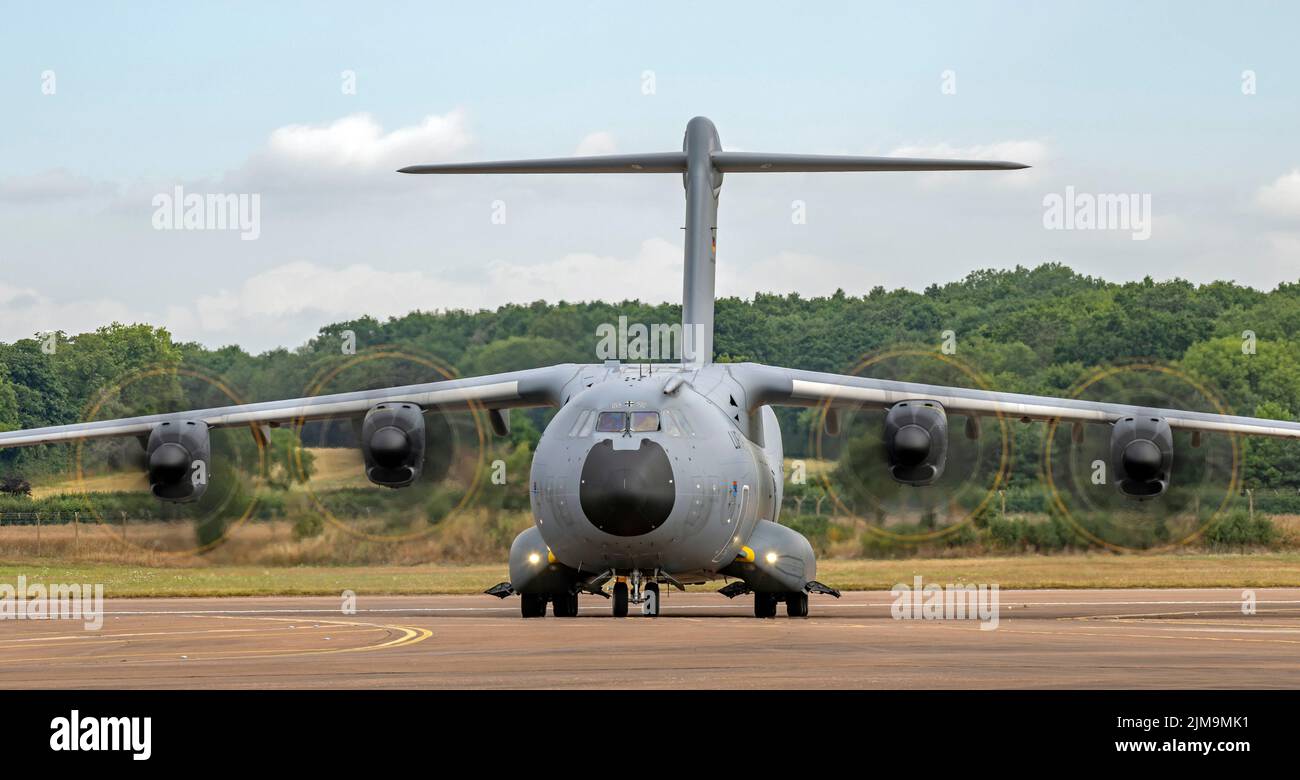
x,y
565,604
533,605
796,604
635,588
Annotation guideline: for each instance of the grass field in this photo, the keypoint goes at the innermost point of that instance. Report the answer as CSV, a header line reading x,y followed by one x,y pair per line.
x,y
1028,571
333,468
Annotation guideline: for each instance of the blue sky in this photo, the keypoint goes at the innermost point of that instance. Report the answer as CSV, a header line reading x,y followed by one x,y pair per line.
x,y
1110,97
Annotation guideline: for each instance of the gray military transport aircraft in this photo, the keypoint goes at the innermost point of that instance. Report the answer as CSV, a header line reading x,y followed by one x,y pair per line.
x,y
671,475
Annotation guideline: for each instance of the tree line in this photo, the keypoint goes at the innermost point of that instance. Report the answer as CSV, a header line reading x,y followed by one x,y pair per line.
x,y
1045,330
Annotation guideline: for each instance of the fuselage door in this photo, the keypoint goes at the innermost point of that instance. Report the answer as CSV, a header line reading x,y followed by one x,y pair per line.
x,y
738,504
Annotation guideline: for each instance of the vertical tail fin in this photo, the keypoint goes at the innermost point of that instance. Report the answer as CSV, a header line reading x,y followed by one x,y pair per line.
x,y
702,162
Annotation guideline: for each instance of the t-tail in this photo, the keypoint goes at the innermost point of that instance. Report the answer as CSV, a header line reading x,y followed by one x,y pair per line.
x,y
702,163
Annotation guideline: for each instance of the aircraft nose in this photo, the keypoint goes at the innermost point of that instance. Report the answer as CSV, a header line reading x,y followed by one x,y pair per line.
x,y
627,492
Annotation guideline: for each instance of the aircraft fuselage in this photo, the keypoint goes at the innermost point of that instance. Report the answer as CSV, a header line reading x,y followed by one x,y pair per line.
x,y
651,469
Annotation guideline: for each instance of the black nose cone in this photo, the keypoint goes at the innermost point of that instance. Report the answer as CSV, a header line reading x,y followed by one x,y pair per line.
x,y
911,445
169,463
627,492
390,447
1142,460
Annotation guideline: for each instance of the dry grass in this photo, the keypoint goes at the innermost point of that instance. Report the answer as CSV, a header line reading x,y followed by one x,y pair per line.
x,y
140,581
465,537
334,468
204,578
814,468
478,541
93,483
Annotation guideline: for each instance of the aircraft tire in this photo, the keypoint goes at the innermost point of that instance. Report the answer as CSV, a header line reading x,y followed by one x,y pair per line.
x,y
620,599
532,605
566,604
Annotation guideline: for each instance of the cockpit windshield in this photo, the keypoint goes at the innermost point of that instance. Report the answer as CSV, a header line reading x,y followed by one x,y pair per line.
x,y
644,422
627,422
611,422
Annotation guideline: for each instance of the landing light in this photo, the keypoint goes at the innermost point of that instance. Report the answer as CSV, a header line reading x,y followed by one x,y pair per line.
x,y
534,558
771,557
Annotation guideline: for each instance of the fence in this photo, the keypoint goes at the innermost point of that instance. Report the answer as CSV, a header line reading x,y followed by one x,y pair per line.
x,y
43,520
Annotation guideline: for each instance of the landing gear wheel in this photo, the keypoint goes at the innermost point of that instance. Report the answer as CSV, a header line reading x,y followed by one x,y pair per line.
x,y
566,605
764,605
650,607
796,605
620,599
532,605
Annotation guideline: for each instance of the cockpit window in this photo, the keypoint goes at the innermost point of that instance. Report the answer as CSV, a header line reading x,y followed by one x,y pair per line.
x,y
676,423
627,422
644,422
611,422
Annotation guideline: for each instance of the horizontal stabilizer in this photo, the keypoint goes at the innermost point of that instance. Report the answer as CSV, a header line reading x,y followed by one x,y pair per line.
x,y
759,162
726,162
651,162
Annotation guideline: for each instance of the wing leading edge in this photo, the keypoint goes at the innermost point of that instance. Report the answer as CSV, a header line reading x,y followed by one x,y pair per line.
x,y
534,387
792,387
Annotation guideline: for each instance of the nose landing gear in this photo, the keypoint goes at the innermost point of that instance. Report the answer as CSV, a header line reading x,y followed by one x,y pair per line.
x,y
620,598
643,591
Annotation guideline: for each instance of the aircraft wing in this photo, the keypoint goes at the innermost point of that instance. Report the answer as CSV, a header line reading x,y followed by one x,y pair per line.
x,y
533,387
792,387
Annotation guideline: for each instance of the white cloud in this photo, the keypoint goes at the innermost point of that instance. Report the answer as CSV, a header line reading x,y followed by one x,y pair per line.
x,y
653,274
25,312
596,143
358,143
285,305
48,186
786,272
1282,197
300,287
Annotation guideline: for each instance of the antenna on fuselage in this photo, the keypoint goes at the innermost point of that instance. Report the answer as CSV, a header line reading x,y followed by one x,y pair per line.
x,y
702,162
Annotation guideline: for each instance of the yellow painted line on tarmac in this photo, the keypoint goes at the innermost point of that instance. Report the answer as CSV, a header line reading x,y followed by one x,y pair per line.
x,y
100,636
410,635
171,655
407,635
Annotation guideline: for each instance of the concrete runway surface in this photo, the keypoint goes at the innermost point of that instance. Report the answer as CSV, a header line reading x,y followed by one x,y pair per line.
x,y
1045,639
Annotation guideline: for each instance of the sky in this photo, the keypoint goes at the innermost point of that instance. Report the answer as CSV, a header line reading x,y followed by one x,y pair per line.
x,y
1188,114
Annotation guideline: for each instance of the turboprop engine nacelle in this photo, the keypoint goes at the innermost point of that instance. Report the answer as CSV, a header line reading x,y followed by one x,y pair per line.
x,y
1141,455
916,441
392,441
178,455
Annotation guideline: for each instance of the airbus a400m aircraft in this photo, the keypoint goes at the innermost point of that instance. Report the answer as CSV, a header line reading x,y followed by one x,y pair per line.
x,y
671,476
